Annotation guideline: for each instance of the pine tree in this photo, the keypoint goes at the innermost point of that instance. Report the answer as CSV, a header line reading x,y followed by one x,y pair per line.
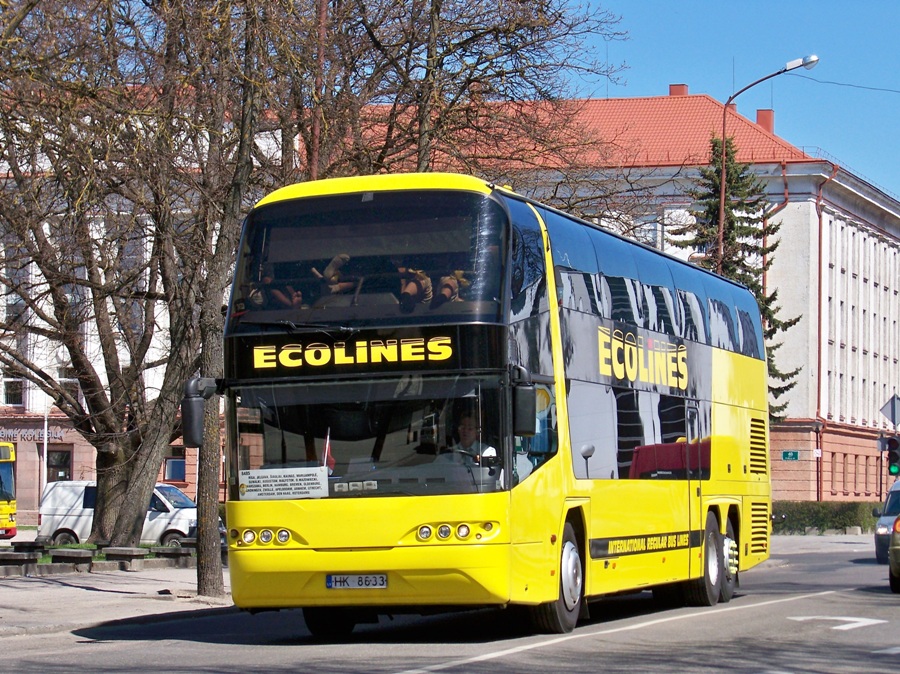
x,y
748,245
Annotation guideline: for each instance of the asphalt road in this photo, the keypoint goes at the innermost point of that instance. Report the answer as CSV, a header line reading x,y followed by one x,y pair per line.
x,y
815,606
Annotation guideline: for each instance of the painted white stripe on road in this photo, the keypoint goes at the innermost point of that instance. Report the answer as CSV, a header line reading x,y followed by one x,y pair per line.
x,y
615,630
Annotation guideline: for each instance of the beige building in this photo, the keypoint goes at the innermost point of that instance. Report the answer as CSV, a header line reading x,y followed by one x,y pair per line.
x,y
837,268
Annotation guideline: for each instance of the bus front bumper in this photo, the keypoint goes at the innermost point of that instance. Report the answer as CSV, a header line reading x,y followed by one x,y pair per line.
x,y
433,576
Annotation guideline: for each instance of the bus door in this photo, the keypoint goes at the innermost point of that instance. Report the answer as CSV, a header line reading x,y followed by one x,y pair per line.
x,y
696,461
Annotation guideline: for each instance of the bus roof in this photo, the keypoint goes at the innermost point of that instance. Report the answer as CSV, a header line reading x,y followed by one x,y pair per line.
x,y
381,182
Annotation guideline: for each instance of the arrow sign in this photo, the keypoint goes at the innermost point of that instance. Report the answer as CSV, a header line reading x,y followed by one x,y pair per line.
x,y
849,623
891,409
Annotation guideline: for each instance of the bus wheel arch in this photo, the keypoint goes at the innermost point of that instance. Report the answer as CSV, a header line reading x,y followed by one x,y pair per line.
x,y
561,615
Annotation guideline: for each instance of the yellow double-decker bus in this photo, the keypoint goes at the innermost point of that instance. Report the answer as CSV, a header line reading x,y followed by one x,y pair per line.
x,y
7,490
442,395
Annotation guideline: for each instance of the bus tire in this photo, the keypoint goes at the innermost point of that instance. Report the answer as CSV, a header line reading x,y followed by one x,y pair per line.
x,y
327,623
705,591
894,582
729,580
561,616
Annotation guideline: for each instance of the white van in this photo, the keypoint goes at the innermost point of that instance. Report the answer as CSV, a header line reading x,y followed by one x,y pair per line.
x,y
67,512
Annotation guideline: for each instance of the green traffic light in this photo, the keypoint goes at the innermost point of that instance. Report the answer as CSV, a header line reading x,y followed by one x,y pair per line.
x,y
894,469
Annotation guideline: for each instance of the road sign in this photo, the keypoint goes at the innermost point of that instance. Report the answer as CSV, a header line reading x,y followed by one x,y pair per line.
x,y
891,409
790,455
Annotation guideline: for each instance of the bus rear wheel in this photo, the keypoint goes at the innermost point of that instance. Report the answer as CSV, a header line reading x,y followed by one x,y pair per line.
x,y
705,591
328,623
561,616
730,557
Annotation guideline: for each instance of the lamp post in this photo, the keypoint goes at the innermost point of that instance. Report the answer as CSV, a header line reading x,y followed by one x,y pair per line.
x,y
805,62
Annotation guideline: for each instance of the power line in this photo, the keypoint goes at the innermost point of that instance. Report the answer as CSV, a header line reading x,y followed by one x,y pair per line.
x,y
845,84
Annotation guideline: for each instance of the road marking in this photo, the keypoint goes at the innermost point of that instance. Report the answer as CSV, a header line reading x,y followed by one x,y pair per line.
x,y
888,651
850,623
603,632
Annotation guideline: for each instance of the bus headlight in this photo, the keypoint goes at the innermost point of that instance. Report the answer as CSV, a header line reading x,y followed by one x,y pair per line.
x,y
444,531
424,532
266,536
463,531
283,535
248,536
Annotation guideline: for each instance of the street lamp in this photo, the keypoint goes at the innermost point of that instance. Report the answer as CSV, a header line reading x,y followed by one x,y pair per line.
x,y
805,62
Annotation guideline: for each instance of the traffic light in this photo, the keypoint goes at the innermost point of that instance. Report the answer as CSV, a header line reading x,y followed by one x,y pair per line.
x,y
891,445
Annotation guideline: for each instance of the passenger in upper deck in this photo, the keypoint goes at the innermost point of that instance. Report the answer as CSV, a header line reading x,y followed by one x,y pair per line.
x,y
415,287
448,288
331,276
269,294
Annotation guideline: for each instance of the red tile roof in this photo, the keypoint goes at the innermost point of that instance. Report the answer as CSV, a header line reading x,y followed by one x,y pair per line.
x,y
675,130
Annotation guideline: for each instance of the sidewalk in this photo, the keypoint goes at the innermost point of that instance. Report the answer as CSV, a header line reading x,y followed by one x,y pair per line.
x,y
78,600
66,602
45,604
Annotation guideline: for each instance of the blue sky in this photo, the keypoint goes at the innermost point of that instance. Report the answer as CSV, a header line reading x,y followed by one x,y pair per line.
x,y
848,105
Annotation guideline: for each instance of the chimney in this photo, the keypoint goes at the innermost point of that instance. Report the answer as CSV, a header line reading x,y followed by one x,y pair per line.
x,y
678,90
766,119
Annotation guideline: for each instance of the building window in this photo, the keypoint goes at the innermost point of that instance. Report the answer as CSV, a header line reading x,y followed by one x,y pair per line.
x,y
175,470
69,382
59,465
13,390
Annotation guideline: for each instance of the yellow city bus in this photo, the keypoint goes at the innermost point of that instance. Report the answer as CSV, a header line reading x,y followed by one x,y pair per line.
x,y
443,395
7,490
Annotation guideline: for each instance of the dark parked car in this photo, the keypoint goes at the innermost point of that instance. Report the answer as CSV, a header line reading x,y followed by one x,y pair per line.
x,y
885,524
894,557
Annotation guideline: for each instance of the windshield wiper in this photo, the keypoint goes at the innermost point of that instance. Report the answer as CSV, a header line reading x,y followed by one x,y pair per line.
x,y
300,328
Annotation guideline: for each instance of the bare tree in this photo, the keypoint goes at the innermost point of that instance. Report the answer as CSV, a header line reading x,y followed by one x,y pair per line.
x,y
95,245
136,134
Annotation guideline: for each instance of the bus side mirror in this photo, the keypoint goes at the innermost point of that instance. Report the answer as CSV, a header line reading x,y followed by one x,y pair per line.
x,y
196,392
524,409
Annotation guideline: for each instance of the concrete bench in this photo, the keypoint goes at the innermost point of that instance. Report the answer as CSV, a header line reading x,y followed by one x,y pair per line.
x,y
171,552
130,559
182,557
28,546
19,563
80,557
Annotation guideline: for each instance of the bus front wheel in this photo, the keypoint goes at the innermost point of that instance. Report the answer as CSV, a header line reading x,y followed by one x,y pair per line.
x,y
561,616
328,623
705,591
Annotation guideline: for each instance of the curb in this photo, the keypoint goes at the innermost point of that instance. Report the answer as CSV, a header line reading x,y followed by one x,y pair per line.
x,y
59,568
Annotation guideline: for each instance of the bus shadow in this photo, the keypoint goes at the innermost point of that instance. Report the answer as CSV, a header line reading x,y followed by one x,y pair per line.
x,y
287,627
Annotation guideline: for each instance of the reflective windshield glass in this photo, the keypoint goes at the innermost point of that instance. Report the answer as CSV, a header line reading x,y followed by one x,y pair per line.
x,y
407,435
175,496
892,504
371,258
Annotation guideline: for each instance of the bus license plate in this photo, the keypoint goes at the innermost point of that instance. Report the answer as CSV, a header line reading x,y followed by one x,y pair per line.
x,y
359,581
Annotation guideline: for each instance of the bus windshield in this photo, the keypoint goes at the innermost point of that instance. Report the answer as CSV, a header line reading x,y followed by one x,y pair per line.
x,y
7,482
407,435
372,258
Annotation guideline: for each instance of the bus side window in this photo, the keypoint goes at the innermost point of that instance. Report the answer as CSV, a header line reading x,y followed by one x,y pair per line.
x,y
532,452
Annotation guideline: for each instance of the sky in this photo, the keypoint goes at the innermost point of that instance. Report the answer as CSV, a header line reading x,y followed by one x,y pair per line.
x,y
846,109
